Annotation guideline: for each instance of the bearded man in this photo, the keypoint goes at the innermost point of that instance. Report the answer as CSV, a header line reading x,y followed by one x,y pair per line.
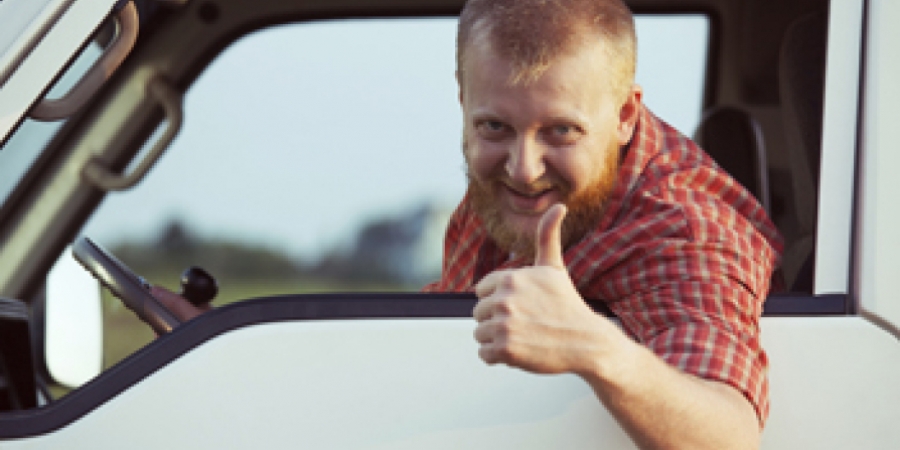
x,y
576,191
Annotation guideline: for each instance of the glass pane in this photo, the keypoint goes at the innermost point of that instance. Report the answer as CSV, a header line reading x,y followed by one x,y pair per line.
x,y
312,167
673,75
301,167
298,147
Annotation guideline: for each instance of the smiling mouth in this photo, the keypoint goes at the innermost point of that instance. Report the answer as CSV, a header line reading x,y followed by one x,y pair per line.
x,y
534,194
530,201
530,191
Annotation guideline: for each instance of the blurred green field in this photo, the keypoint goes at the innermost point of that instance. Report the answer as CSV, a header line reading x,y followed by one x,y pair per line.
x,y
124,333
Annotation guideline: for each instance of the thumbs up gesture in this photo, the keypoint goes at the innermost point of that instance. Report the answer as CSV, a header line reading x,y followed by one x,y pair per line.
x,y
533,317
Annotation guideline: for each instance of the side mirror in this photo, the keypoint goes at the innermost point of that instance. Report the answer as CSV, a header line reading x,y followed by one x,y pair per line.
x,y
72,320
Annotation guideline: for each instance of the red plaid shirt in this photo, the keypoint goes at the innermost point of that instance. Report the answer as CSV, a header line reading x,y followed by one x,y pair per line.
x,y
683,256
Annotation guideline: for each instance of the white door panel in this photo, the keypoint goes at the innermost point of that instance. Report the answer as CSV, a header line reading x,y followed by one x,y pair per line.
x,y
834,224
879,213
418,384
398,384
834,384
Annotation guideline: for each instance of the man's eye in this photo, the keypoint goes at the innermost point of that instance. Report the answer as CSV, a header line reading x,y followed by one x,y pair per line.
x,y
492,128
492,125
563,134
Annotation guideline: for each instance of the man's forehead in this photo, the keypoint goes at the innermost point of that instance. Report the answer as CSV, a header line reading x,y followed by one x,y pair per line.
x,y
484,54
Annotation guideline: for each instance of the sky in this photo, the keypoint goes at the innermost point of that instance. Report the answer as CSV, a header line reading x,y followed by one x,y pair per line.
x,y
298,134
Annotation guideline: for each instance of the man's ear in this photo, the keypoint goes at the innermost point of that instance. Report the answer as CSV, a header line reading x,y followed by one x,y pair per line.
x,y
629,113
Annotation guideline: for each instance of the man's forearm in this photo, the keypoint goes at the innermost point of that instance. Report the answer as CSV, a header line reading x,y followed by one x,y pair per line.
x,y
661,407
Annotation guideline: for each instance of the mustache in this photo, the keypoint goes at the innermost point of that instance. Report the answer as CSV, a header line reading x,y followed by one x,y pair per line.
x,y
528,188
498,182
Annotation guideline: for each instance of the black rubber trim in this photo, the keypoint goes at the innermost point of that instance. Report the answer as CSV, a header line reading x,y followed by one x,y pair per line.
x,y
800,304
144,362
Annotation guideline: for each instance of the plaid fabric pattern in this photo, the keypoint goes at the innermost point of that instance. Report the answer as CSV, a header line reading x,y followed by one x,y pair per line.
x,y
683,256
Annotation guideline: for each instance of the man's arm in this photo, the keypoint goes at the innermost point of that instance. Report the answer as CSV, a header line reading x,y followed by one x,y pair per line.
x,y
533,318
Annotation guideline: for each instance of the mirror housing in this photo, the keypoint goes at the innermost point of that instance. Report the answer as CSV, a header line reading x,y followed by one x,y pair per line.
x,y
70,324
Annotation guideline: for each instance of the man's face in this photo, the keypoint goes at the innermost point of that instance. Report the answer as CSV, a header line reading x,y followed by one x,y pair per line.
x,y
531,145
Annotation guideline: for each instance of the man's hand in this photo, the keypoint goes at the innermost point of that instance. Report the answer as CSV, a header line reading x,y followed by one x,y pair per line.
x,y
178,305
533,318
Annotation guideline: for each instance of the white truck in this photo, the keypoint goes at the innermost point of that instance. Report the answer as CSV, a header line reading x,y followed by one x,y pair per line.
x,y
799,100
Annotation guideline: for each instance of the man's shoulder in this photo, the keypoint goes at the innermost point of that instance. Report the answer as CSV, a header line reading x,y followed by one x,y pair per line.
x,y
667,172
659,149
661,166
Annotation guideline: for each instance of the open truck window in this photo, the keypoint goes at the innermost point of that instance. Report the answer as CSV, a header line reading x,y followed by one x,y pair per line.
x,y
343,160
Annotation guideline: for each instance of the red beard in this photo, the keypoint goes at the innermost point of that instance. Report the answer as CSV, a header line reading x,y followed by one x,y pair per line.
x,y
585,208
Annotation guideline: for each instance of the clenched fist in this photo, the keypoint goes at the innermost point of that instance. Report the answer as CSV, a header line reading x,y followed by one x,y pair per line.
x,y
533,318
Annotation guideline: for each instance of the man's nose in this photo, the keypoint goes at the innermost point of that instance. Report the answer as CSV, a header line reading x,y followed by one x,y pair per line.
x,y
525,163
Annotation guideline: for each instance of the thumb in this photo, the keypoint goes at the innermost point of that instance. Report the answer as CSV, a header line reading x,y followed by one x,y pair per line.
x,y
548,240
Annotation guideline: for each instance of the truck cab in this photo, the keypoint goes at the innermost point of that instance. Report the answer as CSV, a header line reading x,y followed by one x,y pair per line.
x,y
109,109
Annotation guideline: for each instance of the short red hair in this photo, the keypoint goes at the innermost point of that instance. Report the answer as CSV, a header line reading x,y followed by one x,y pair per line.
x,y
532,33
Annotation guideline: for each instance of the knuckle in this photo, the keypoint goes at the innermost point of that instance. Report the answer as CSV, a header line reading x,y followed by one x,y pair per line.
x,y
504,329
511,281
504,306
482,334
506,353
479,313
484,310
487,355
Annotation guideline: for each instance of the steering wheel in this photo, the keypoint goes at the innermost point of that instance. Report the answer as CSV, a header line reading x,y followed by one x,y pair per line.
x,y
124,284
